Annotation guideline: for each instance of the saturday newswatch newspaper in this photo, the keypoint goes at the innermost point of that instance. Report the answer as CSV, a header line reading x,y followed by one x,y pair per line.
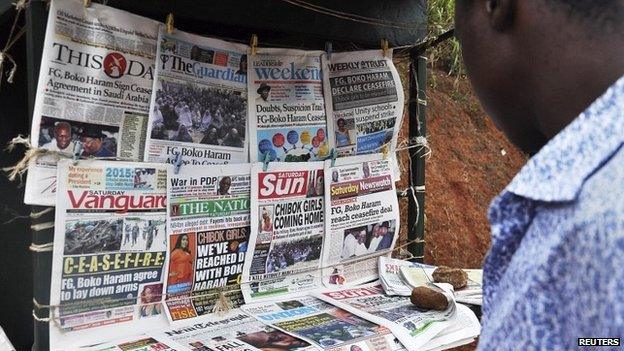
x,y
208,233
286,106
199,105
364,101
109,251
287,227
94,87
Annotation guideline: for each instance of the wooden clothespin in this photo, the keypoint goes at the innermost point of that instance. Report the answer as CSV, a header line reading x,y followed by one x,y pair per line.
x,y
328,49
254,44
169,23
385,150
86,3
384,47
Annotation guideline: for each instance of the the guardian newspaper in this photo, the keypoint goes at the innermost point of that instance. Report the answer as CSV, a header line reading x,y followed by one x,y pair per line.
x,y
286,106
208,232
287,227
94,87
109,250
364,101
199,105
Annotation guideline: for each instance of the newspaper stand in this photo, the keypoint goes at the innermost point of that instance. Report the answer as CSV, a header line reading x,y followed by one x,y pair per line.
x,y
345,25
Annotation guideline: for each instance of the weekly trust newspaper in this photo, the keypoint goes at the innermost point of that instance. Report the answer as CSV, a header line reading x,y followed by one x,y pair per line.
x,y
199,105
287,227
94,87
286,106
323,325
364,101
208,231
109,250
362,218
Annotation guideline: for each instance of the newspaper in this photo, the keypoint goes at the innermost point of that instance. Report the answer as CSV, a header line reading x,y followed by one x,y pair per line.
x,y
413,327
286,106
140,342
362,218
416,274
323,325
198,108
364,101
391,279
207,231
464,328
287,229
94,88
233,331
109,250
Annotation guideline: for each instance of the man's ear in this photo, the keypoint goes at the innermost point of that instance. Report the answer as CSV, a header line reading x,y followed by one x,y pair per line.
x,y
500,13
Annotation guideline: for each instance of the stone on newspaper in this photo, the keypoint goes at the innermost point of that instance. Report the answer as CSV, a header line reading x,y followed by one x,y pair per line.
x,y
428,299
454,276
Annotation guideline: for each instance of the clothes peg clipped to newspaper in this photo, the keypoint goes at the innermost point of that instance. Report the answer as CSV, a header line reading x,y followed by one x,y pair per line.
x,y
86,3
328,49
333,154
169,23
77,151
177,163
384,47
253,44
385,150
265,162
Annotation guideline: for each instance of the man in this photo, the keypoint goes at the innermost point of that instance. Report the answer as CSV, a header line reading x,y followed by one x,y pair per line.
x,y
548,72
96,144
376,239
62,138
233,139
224,186
349,245
263,91
387,236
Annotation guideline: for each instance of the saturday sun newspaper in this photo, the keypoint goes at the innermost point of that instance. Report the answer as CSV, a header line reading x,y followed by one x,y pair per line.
x,y
94,88
361,218
208,232
364,101
286,106
323,325
199,105
287,229
109,251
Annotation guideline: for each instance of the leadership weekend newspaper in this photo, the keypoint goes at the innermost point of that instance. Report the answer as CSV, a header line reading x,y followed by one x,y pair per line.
x,y
208,232
361,218
199,105
286,106
287,229
109,251
95,84
364,101
324,325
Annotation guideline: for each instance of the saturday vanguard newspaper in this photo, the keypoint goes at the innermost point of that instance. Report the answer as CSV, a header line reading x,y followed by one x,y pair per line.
x,y
109,251
364,101
361,218
208,232
287,227
94,88
286,106
199,105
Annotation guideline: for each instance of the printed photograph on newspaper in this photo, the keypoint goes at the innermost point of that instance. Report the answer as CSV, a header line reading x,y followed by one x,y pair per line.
x,y
287,226
208,231
362,218
199,105
364,101
323,325
232,331
94,90
141,342
286,106
109,251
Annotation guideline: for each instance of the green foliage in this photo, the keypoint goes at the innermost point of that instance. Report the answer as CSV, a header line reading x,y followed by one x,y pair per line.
x,y
446,55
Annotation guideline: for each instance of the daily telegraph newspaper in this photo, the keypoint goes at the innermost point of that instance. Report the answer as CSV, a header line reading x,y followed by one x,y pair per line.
x,y
94,87
233,331
364,101
362,218
287,229
141,342
109,251
199,105
413,327
286,106
208,231
323,325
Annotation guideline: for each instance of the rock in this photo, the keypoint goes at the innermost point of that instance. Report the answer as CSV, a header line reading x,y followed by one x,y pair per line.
x,y
454,276
428,299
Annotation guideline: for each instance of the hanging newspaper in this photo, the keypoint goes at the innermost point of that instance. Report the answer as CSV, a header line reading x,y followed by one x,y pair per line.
x,y
109,251
233,331
413,327
141,342
364,101
94,88
323,325
199,105
287,228
286,106
362,218
208,230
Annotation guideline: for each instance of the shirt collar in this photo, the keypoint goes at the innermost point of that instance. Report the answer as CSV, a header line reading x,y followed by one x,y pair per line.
x,y
557,172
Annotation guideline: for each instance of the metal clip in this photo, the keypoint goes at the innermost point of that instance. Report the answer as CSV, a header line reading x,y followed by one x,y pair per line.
x,y
328,49
77,151
385,150
265,162
169,23
177,163
333,155
384,47
254,44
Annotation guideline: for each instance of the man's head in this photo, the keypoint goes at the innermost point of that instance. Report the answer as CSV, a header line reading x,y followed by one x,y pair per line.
x,y
92,140
224,185
62,134
536,64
